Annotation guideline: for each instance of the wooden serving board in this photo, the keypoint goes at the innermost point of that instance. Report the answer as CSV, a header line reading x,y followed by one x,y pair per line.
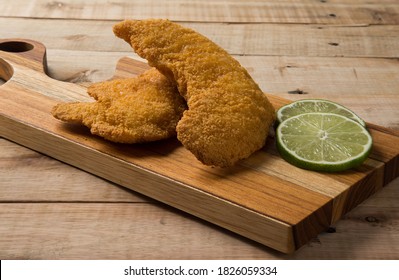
x,y
263,198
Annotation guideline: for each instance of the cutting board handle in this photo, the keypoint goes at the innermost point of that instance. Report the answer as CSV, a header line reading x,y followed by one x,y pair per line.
x,y
32,52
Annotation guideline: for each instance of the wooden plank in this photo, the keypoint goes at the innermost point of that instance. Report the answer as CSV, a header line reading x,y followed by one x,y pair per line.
x,y
243,39
76,231
355,83
22,172
113,231
318,12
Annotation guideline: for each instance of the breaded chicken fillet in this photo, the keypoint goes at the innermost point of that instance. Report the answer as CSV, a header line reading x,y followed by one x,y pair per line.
x,y
134,110
228,116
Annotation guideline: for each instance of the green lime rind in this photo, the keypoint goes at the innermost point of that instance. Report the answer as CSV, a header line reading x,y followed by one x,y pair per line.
x,y
340,145
315,106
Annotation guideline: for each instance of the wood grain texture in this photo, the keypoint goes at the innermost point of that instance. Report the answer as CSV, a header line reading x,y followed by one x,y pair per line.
x,y
84,51
243,39
76,227
277,210
18,165
58,231
230,11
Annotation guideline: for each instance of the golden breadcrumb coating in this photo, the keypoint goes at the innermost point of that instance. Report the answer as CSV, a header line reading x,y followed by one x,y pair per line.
x,y
228,116
134,110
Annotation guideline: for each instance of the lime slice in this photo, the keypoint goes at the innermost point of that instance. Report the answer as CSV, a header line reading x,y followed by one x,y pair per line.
x,y
323,142
315,106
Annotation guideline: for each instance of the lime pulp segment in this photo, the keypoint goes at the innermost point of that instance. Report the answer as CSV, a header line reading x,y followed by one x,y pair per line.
x,y
315,106
323,142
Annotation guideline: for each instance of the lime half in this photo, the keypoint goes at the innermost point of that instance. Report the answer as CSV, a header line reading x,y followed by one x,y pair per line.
x,y
315,106
323,142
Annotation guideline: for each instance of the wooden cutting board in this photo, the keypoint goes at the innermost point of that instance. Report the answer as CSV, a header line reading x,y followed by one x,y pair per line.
x,y
263,198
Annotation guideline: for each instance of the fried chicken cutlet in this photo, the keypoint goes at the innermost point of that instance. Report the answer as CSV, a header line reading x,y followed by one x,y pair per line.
x,y
134,110
228,116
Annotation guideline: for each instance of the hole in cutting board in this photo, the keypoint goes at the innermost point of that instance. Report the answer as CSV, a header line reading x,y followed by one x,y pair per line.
x,y
6,70
15,47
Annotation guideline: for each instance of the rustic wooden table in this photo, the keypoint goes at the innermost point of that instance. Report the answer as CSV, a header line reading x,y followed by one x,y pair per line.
x,y
345,51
